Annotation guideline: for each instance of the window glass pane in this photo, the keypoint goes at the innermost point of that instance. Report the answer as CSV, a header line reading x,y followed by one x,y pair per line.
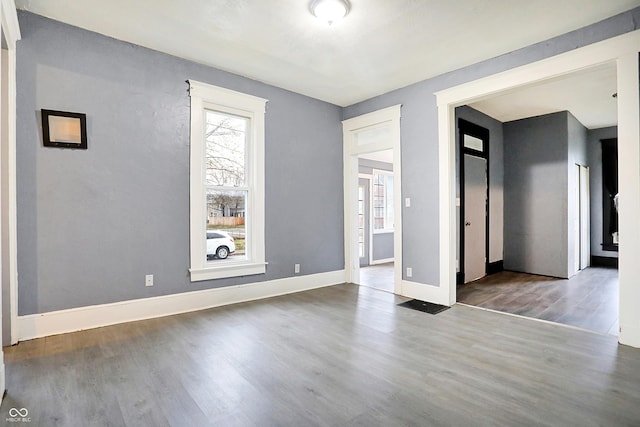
x,y
383,214
473,143
226,210
225,149
361,222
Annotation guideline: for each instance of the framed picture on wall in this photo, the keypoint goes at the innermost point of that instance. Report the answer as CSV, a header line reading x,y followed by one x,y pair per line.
x,y
63,129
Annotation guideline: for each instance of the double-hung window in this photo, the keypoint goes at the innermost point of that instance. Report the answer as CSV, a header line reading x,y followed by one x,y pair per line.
x,y
382,200
226,183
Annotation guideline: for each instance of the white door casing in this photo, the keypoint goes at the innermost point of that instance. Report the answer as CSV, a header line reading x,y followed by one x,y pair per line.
x,y
11,34
368,133
623,50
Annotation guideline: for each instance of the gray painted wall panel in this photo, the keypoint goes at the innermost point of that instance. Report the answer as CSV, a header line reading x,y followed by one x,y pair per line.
x,y
419,134
382,246
595,183
125,214
535,195
92,223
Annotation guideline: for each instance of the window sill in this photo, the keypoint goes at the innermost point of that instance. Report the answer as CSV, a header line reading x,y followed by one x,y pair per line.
x,y
228,270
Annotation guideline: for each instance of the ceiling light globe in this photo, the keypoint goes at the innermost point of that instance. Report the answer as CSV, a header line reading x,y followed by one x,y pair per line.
x,y
330,10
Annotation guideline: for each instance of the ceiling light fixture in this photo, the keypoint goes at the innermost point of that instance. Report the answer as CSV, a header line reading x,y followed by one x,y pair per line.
x,y
330,10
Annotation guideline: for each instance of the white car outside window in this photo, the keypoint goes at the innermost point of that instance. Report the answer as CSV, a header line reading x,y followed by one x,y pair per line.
x,y
219,244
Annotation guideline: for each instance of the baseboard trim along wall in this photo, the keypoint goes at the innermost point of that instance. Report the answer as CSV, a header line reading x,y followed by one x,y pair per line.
x,y
95,316
629,335
601,261
422,292
495,267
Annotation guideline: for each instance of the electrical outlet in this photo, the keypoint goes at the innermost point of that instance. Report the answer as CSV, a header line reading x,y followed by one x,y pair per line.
x,y
409,272
148,280
296,268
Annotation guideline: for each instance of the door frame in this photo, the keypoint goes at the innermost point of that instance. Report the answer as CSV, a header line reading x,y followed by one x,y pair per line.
x,y
623,50
10,30
385,122
466,127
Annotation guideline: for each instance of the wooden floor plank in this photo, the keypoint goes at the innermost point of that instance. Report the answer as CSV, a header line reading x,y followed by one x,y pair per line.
x,y
342,355
588,300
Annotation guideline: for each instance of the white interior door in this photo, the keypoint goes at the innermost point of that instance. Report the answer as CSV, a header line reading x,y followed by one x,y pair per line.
x,y
475,217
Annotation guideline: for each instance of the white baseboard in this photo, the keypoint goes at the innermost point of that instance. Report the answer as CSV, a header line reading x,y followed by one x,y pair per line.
x,y
381,261
423,292
629,335
95,316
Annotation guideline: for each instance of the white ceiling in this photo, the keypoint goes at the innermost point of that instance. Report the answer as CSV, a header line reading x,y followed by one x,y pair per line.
x,y
380,46
587,94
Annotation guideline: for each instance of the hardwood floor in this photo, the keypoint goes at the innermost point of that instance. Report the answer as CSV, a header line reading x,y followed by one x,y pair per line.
x,y
378,276
338,356
588,300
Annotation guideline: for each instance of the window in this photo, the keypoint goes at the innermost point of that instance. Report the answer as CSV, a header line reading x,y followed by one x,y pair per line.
x,y
382,202
226,183
361,220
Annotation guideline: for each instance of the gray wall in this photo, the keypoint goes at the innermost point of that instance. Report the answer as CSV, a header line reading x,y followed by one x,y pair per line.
x,y
92,223
381,243
539,159
419,133
595,186
496,178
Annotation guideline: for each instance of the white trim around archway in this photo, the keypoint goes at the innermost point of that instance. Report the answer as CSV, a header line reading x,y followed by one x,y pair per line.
x,y
623,50
376,131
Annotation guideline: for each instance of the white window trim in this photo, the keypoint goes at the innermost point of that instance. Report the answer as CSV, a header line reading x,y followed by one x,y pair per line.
x,y
387,229
224,100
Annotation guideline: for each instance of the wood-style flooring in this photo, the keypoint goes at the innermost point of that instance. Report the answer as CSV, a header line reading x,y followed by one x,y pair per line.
x,y
378,276
338,356
587,300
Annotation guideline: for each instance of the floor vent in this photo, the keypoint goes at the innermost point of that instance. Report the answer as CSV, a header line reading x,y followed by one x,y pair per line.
x,y
426,307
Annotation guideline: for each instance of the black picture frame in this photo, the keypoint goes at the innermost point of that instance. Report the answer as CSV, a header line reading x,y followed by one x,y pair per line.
x,y
63,129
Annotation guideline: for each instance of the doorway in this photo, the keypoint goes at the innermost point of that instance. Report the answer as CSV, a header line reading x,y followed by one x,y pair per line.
x,y
376,219
592,293
474,201
367,136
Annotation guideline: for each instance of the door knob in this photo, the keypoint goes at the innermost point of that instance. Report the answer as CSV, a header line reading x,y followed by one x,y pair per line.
x,y
467,223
